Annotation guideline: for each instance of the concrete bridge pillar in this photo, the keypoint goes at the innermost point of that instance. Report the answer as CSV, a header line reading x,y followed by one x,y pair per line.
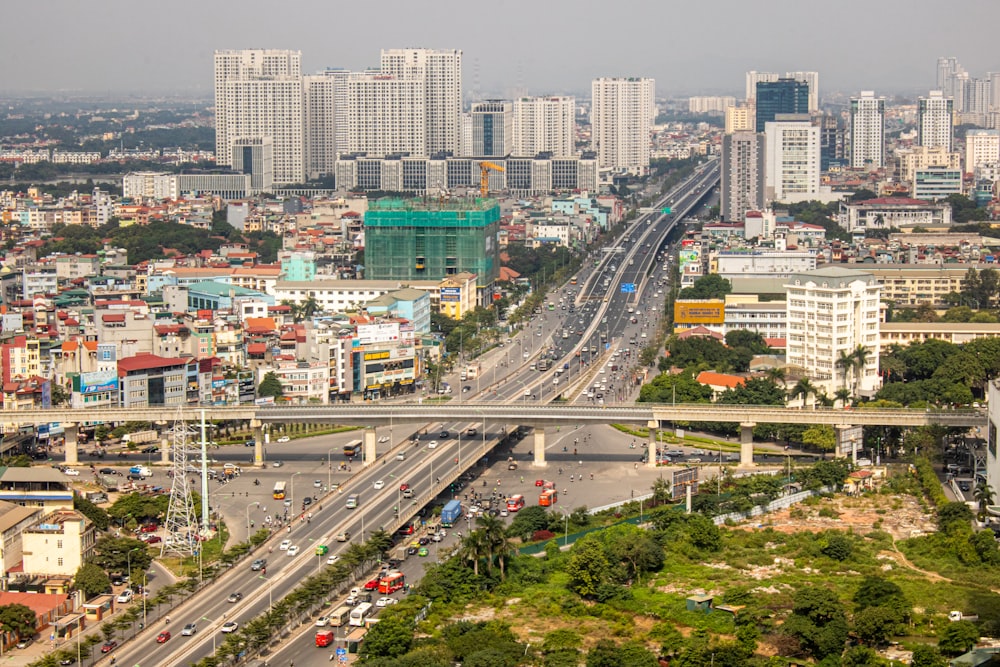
x,y
746,445
257,427
539,435
70,433
165,453
651,444
371,440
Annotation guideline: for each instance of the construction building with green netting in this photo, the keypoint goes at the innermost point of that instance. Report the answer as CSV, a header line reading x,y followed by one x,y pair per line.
x,y
431,239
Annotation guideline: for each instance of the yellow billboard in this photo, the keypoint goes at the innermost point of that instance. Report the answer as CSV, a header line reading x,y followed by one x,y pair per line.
x,y
700,311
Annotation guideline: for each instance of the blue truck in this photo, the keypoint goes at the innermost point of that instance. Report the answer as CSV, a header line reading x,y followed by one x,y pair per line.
x,y
451,513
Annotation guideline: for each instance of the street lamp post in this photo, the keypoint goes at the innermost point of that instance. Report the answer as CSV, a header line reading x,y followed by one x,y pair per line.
x,y
208,620
269,584
128,562
257,503
329,469
291,489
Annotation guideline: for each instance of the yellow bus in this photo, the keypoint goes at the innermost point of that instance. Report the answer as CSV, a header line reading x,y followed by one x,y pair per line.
x,y
279,491
352,448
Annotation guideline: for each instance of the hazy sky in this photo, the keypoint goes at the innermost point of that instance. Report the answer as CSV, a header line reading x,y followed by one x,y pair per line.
x,y
543,46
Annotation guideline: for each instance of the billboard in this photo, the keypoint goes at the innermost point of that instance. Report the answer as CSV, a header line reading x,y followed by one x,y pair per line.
x,y
451,294
100,381
687,257
702,311
372,334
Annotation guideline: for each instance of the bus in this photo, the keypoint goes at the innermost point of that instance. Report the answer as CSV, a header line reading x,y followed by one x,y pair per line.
x,y
352,501
279,491
548,498
572,281
391,582
353,448
360,613
514,503
552,306
543,364
339,616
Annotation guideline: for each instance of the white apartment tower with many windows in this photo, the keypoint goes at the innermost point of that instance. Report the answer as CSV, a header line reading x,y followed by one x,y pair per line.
x,y
832,313
742,174
492,128
981,147
791,159
934,120
258,94
867,128
326,119
544,125
386,114
622,113
440,72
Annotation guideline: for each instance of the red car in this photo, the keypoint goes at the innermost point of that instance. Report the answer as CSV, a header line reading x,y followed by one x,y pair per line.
x,y
539,482
404,487
372,585
162,637
109,646
153,539
149,528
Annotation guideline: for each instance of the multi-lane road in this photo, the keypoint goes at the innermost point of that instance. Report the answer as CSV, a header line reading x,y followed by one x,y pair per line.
x,y
602,305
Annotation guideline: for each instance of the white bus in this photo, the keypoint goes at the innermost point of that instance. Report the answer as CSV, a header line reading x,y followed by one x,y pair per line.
x,y
360,613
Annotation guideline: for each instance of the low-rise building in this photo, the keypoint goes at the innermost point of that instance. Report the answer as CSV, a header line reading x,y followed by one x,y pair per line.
x,y
58,544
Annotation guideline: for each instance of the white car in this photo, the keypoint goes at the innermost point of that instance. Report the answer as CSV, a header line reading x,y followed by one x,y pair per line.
x,y
72,472
284,438
333,558
379,485
317,484
229,627
293,550
432,444
385,602
284,545
384,438
125,596
322,621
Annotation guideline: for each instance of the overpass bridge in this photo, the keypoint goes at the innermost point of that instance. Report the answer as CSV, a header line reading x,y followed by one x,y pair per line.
x,y
540,416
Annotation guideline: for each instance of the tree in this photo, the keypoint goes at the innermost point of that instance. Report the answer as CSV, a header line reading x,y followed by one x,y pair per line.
x,y
630,654
957,637
115,554
711,286
391,637
927,656
955,514
91,580
984,496
19,619
874,625
820,436
270,386
803,388
588,567
838,547
527,521
818,621
97,515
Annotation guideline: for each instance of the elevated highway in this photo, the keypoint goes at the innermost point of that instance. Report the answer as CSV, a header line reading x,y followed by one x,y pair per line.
x,y
527,413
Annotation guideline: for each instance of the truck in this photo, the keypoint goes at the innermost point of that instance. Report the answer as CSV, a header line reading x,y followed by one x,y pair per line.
x,y
472,371
955,616
141,471
451,513
138,437
324,637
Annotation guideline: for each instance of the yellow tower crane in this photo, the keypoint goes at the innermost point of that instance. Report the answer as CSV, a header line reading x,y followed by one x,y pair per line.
x,y
484,176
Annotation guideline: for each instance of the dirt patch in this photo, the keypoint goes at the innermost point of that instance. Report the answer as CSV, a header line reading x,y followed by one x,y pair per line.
x,y
900,516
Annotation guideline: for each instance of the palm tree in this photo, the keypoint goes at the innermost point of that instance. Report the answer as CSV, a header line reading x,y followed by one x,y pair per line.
x,y
984,496
474,548
845,362
496,538
860,355
802,388
842,395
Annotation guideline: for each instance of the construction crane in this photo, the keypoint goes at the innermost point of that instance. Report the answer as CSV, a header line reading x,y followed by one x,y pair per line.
x,y
484,176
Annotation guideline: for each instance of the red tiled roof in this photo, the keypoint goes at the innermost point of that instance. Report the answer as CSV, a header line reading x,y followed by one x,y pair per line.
x,y
146,361
113,317
714,379
256,348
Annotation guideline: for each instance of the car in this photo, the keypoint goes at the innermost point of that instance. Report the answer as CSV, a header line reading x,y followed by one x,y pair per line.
x,y
189,630
234,597
24,643
258,565
322,621
163,637
292,550
964,486
412,551
371,584
72,472
424,541
109,646
437,537
466,389
151,539
228,627
108,471
503,512
284,438
284,545
317,484
344,536
379,484
404,486
277,464
333,558
443,435
383,438
124,596
422,551
432,444
385,601
152,449
539,482
306,502
68,660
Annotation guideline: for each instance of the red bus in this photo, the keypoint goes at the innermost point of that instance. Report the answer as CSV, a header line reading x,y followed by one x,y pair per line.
x,y
391,583
548,498
514,503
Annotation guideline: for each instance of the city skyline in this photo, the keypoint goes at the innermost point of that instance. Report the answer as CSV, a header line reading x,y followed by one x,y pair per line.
x,y
687,50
